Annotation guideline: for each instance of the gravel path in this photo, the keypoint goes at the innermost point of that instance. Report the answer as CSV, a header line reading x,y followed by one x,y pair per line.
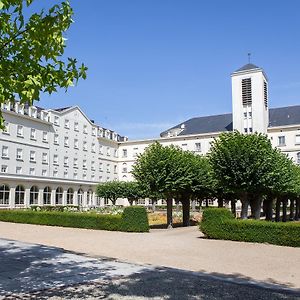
x,y
181,248
29,271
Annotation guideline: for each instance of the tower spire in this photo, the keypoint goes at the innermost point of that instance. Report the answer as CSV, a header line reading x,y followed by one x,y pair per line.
x,y
249,57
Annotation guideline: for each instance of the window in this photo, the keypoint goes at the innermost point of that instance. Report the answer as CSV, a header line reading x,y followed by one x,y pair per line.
x,y
116,153
47,196
250,114
75,163
44,172
84,164
245,115
66,143
32,156
115,169
19,154
85,129
281,140
101,167
93,166
66,161
266,94
4,194
58,196
93,147
45,136
198,147
66,174
75,174
250,130
245,130
19,195
31,171
108,151
76,144
76,126
184,146
135,152
246,91
298,158
124,168
84,175
4,169
4,151
6,128
32,134
67,123
55,173
100,149
94,131
56,139
124,152
18,170
45,158
20,131
70,196
34,195
80,197
297,139
108,168
84,146
55,159
56,120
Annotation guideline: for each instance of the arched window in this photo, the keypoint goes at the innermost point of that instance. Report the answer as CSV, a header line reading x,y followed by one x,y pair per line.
x,y
90,197
4,194
19,195
58,196
80,197
298,158
34,195
70,196
47,196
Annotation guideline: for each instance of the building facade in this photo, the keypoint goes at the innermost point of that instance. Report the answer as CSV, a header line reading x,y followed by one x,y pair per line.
x,y
58,156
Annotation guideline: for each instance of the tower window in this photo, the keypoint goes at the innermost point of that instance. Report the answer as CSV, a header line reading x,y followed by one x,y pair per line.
x,y
266,94
246,91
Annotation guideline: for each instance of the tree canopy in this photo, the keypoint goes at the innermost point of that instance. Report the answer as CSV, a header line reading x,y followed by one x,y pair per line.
x,y
31,51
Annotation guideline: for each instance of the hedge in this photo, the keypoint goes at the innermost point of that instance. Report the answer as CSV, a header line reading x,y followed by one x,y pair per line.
x,y
81,220
219,223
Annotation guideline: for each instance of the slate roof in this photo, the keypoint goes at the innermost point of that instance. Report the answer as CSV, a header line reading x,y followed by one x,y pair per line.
x,y
247,67
282,116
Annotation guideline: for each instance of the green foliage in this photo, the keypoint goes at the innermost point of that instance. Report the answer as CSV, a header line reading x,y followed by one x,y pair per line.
x,y
30,51
133,220
111,190
132,191
218,223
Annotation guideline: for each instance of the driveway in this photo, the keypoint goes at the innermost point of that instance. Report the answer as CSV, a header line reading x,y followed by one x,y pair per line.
x,y
30,271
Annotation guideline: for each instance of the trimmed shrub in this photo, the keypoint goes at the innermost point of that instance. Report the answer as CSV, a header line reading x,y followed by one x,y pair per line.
x,y
219,223
132,221
135,219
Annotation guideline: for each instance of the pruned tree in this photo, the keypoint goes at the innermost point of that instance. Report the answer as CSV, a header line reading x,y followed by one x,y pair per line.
x,y
31,51
132,191
111,190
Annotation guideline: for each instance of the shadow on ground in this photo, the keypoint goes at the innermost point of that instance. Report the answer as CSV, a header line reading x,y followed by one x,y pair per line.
x,y
39,272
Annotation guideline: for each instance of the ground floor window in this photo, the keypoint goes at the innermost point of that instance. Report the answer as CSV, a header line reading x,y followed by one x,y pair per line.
x,y
47,195
34,195
19,195
59,196
4,194
70,196
80,197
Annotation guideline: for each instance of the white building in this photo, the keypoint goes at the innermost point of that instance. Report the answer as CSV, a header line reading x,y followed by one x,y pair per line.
x,y
55,157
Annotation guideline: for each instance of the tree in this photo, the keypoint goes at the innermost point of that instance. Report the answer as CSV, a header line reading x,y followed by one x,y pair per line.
x,y
31,49
111,190
243,164
132,191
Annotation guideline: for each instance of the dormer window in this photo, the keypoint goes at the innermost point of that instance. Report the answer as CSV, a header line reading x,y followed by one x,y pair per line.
x,y
56,120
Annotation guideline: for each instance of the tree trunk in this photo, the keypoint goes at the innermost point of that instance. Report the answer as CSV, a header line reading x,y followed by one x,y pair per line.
x,y
233,207
186,212
284,206
278,204
206,202
113,201
193,205
177,206
220,202
292,208
169,212
297,211
130,202
245,204
255,204
268,207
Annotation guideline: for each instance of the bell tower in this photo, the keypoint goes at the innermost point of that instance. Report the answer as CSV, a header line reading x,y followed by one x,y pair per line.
x,y
250,111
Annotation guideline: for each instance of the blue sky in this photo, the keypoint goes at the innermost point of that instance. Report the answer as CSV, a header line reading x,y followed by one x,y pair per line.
x,y
155,63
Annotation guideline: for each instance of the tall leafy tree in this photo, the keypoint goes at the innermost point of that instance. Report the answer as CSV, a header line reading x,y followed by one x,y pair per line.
x,y
31,51
132,191
111,190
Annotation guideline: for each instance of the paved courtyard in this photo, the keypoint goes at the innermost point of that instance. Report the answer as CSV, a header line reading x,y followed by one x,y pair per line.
x,y
29,271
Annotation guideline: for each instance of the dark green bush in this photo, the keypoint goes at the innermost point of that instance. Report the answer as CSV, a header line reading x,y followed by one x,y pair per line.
x,y
219,223
81,220
135,219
